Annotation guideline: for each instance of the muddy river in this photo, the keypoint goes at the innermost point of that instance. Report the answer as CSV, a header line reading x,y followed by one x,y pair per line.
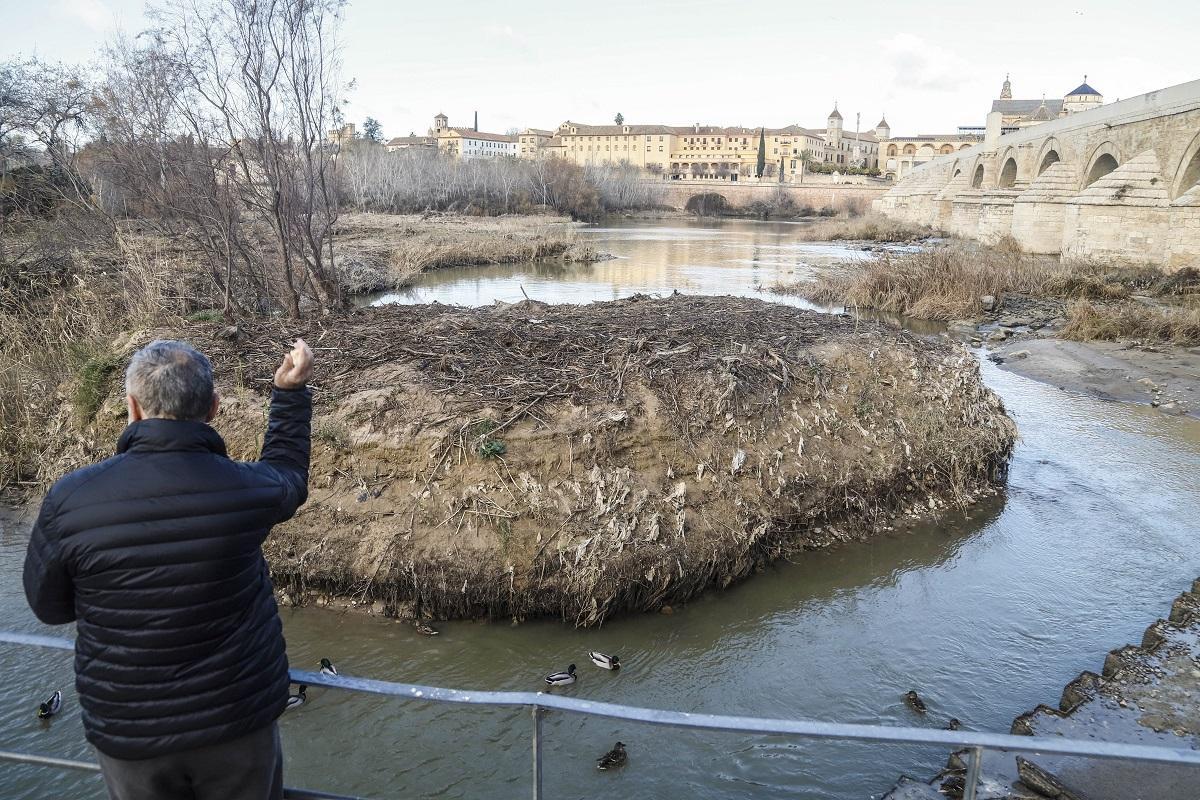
x,y
985,613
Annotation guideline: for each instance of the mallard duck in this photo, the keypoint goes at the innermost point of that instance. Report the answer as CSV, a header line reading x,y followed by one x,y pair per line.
x,y
297,699
605,661
424,629
914,700
613,758
51,706
561,678
328,669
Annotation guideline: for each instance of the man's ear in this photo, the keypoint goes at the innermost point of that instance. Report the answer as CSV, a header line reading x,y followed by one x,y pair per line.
x,y
135,410
216,404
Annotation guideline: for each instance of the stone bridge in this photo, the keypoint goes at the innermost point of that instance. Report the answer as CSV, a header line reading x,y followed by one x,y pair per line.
x,y
1121,181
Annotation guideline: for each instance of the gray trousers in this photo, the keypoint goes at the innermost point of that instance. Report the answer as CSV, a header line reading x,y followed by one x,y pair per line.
x,y
247,768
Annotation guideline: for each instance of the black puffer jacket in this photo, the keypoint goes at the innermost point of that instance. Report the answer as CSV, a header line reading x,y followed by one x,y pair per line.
x,y
157,554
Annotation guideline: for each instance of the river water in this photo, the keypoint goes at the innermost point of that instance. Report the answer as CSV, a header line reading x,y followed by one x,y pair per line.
x,y
985,613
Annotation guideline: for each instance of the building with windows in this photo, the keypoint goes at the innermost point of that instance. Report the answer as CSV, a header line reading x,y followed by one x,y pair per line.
x,y
469,142
411,142
898,156
535,143
706,151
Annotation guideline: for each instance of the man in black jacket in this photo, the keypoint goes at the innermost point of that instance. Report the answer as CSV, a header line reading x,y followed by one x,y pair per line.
x,y
156,555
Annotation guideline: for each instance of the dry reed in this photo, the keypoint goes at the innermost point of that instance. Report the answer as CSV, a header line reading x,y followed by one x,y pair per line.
x,y
1162,325
949,282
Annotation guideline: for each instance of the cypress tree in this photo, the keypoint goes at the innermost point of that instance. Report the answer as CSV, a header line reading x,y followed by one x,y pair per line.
x,y
762,153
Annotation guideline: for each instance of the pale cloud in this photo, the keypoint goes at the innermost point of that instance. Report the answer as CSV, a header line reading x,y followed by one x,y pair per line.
x,y
917,64
92,13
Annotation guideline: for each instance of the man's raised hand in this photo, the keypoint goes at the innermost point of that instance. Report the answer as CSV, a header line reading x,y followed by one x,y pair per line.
x,y
296,368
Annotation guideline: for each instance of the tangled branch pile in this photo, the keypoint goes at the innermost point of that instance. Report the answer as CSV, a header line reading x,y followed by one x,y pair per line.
x,y
581,461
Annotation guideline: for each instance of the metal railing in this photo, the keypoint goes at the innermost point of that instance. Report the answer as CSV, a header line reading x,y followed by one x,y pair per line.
x,y
539,702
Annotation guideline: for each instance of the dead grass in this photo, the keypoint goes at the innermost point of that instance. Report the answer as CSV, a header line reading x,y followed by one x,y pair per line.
x,y
1138,321
61,301
869,227
386,251
948,282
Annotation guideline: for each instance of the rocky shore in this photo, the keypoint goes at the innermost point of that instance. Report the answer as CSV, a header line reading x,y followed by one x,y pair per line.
x,y
1144,694
584,461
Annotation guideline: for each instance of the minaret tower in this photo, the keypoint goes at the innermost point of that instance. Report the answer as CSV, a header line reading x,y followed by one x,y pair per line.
x,y
834,128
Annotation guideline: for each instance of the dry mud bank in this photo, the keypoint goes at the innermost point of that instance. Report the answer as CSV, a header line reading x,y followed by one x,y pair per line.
x,y
1144,694
579,461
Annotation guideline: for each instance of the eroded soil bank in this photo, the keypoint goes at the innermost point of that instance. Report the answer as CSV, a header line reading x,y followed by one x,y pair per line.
x,y
579,461
1145,694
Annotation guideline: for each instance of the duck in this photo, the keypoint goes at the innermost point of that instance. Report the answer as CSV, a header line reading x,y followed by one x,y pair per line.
x,y
604,661
424,629
953,724
50,707
296,700
561,678
328,668
613,758
914,700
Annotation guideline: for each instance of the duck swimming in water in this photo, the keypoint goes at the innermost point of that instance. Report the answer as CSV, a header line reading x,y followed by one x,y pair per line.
x,y
424,629
561,678
296,700
914,700
613,758
50,707
605,661
328,668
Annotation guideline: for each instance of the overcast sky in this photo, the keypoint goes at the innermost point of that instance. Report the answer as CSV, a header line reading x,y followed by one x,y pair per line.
x,y
931,66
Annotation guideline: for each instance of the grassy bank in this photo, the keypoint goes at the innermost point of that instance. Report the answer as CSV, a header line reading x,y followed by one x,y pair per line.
x,y
1158,324
386,251
950,282
869,227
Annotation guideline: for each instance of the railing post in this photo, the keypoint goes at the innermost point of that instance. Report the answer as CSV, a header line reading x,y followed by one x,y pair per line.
x,y
537,753
974,761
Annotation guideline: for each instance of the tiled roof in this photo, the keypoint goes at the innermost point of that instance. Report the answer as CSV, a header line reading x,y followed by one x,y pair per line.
x,y
467,133
1083,88
1026,108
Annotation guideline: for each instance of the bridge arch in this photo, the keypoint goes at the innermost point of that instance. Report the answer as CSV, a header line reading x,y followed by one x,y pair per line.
x,y
1105,158
977,179
1187,174
1008,173
1050,154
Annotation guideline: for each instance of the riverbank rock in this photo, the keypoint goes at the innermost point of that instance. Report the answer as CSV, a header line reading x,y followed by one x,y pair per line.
x,y
580,461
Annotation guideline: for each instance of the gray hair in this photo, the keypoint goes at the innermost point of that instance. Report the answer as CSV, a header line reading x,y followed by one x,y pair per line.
x,y
171,380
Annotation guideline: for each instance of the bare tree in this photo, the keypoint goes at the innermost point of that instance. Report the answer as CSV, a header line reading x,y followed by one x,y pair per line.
x,y
216,122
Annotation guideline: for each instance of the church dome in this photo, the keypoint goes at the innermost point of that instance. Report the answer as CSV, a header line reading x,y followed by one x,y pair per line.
x,y
835,114
1084,89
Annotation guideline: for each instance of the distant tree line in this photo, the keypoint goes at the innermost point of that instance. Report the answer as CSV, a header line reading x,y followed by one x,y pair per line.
x,y
413,181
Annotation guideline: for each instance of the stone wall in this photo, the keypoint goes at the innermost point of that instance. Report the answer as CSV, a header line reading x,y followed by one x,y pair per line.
x,y
1116,182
